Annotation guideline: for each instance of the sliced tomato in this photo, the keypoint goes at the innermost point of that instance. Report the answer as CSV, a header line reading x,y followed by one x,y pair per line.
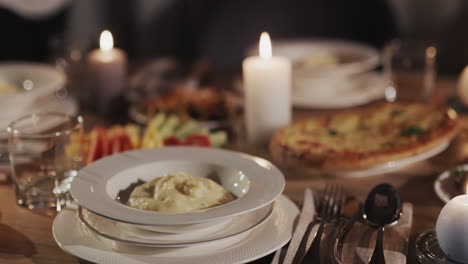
x,y
116,143
105,141
94,148
197,140
98,145
172,141
126,142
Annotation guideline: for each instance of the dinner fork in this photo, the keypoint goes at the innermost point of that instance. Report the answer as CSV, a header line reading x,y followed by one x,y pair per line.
x,y
330,207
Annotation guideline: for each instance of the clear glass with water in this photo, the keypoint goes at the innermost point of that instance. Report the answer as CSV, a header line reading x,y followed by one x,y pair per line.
x,y
45,154
410,67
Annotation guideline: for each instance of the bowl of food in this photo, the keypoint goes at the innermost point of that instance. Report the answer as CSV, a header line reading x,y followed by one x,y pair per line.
x,y
176,186
324,67
23,83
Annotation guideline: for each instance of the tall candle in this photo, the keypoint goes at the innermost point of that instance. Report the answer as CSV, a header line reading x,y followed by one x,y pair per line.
x,y
267,91
452,228
108,67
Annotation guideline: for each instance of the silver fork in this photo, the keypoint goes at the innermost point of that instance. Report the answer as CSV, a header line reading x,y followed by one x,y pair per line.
x,y
330,207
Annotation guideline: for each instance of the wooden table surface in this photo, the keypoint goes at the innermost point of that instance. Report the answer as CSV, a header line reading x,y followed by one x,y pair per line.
x,y
26,236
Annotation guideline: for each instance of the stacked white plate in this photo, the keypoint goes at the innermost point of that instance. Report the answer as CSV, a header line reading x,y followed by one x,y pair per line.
x,y
105,230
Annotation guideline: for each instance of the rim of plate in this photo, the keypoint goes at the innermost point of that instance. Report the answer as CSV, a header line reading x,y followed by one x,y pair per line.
x,y
390,165
89,186
206,239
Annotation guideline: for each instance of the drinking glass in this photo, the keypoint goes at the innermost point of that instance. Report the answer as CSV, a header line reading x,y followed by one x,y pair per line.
x,y
410,67
45,154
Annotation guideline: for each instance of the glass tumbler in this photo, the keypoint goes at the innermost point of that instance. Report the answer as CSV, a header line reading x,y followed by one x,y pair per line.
x,y
410,68
45,153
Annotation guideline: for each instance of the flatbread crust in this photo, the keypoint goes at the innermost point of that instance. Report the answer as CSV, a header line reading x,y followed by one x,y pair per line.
x,y
375,138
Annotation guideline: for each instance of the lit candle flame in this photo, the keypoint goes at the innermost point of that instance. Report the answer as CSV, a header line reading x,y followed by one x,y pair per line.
x,y
106,42
265,46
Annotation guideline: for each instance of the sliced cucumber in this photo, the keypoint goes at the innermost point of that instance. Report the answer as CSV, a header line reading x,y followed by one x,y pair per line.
x,y
169,126
218,139
186,128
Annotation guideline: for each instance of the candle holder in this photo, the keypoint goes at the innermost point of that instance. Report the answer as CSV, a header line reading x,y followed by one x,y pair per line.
x,y
447,244
428,250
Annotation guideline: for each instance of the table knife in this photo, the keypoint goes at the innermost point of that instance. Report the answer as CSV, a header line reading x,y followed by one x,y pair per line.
x,y
305,217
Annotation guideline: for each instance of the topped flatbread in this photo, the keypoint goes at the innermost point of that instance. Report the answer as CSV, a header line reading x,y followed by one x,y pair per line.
x,y
365,137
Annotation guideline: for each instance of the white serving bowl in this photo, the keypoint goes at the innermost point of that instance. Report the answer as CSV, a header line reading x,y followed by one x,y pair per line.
x,y
325,79
32,80
255,182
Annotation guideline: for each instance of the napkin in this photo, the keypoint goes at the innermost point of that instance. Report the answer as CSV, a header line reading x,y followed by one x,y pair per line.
x,y
359,243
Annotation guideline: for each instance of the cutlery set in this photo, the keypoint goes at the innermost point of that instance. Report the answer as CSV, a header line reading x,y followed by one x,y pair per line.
x,y
335,215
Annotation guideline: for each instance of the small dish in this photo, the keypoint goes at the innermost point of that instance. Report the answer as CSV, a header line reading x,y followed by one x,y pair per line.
x,y
428,250
447,187
254,181
134,235
76,239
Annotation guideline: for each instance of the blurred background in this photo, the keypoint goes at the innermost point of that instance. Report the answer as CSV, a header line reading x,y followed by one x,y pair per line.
x,y
220,32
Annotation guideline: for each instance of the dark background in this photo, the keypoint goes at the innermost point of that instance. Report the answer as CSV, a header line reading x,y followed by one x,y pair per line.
x,y
221,31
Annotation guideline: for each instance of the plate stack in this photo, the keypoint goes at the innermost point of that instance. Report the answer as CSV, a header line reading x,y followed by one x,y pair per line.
x,y
105,230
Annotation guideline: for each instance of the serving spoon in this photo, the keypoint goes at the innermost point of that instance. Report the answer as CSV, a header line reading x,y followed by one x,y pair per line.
x,y
382,207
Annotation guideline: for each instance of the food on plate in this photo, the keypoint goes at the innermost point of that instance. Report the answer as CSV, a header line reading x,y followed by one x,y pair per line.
x,y
202,104
8,88
320,60
178,193
162,130
365,137
457,180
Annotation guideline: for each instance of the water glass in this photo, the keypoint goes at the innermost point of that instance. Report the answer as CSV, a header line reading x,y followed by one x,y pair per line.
x,y
45,154
410,67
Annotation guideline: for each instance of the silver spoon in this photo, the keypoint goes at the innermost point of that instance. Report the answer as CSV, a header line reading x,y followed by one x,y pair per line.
x,y
382,207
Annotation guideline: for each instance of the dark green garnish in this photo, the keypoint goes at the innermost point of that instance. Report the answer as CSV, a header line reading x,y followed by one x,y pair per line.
x,y
458,175
363,127
333,132
412,131
395,113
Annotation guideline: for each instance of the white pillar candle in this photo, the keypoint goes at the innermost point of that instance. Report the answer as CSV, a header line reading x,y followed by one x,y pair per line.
x,y
267,91
452,229
108,67
462,86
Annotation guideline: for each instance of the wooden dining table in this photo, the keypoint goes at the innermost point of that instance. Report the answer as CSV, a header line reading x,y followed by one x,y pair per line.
x,y
26,235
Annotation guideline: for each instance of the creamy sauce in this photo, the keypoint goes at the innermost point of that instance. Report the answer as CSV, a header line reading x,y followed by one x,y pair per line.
x,y
178,193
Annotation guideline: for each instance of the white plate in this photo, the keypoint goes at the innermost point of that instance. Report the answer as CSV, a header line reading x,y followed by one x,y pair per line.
x,y
391,165
255,181
359,90
74,238
134,235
